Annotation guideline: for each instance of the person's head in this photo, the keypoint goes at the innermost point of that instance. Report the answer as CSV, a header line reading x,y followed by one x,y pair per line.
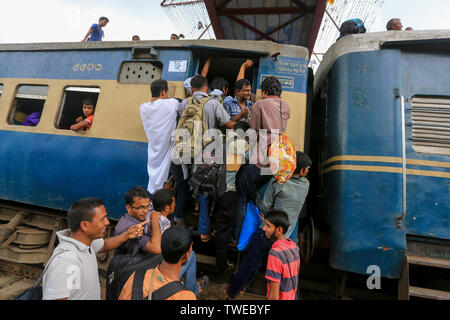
x,y
88,108
174,36
176,245
137,202
394,24
164,201
103,21
89,217
221,84
276,225
136,38
351,26
303,164
160,89
271,86
241,127
199,83
243,90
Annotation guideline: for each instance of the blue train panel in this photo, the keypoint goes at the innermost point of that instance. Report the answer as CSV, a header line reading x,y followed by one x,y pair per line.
x,y
55,170
87,64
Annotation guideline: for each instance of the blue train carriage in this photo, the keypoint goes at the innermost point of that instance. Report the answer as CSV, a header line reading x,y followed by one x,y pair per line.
x,y
382,121
49,166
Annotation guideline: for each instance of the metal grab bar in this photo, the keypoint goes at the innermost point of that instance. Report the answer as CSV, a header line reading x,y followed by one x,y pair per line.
x,y
400,219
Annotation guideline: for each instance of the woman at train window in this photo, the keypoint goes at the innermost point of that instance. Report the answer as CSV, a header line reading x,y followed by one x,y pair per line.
x,y
85,121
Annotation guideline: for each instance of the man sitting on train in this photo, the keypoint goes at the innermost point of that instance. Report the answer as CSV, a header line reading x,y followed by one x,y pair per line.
x,y
85,121
288,198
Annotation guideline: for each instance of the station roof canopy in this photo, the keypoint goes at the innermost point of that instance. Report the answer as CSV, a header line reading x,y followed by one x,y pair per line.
x,y
294,22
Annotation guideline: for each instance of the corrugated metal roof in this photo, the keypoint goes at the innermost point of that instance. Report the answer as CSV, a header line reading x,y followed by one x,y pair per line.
x,y
294,22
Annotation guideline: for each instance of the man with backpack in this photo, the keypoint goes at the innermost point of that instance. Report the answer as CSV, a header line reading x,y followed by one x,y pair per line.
x,y
161,283
199,111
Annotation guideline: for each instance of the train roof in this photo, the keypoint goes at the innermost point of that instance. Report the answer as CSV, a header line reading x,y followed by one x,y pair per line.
x,y
372,42
262,48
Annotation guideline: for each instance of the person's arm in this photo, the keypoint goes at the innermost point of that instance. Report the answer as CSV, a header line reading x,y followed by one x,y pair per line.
x,y
154,245
274,293
205,69
80,125
244,113
247,64
255,117
266,203
87,35
230,124
132,233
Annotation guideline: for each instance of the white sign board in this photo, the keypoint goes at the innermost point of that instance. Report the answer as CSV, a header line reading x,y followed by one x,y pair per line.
x,y
178,66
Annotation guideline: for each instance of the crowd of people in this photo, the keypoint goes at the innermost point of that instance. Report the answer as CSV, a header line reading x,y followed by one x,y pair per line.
x,y
154,220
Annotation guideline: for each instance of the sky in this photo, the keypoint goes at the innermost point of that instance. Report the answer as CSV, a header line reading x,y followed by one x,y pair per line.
x,y
31,21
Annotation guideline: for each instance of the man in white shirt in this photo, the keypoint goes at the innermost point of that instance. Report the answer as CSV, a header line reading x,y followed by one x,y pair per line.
x,y
72,273
159,118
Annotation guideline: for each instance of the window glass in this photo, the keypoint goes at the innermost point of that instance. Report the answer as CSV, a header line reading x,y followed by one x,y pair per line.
x,y
71,111
28,105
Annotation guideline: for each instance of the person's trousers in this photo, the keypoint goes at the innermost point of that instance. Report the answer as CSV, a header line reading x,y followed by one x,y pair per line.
x,y
224,222
181,192
248,181
204,220
189,271
256,253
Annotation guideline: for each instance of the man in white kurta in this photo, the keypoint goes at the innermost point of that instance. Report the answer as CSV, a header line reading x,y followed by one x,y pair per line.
x,y
159,118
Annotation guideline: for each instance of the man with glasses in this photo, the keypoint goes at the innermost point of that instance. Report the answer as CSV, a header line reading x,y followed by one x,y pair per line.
x,y
138,205
139,208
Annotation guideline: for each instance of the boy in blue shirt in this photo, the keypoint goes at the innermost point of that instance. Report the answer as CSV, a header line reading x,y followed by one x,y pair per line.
x,y
96,33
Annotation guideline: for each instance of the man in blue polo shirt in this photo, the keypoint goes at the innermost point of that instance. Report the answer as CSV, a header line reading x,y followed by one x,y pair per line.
x,y
95,33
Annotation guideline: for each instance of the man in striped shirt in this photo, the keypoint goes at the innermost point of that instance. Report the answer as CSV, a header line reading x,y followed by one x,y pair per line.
x,y
283,264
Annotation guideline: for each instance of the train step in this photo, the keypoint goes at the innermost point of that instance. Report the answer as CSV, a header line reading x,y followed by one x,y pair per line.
x,y
408,289
429,262
425,293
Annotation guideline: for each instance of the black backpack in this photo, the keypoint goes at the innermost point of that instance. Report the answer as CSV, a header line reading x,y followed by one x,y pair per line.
x,y
122,266
209,178
162,293
36,292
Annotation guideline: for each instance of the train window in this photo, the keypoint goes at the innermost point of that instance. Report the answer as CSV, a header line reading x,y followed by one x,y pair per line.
x,y
431,124
28,105
72,105
139,72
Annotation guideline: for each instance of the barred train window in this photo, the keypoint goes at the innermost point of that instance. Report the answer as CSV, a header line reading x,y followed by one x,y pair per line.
x,y
72,105
431,124
28,105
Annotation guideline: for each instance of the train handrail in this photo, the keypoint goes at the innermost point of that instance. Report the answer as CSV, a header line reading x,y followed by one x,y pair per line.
x,y
400,219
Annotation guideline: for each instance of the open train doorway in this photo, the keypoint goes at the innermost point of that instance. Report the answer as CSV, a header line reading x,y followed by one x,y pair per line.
x,y
228,68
